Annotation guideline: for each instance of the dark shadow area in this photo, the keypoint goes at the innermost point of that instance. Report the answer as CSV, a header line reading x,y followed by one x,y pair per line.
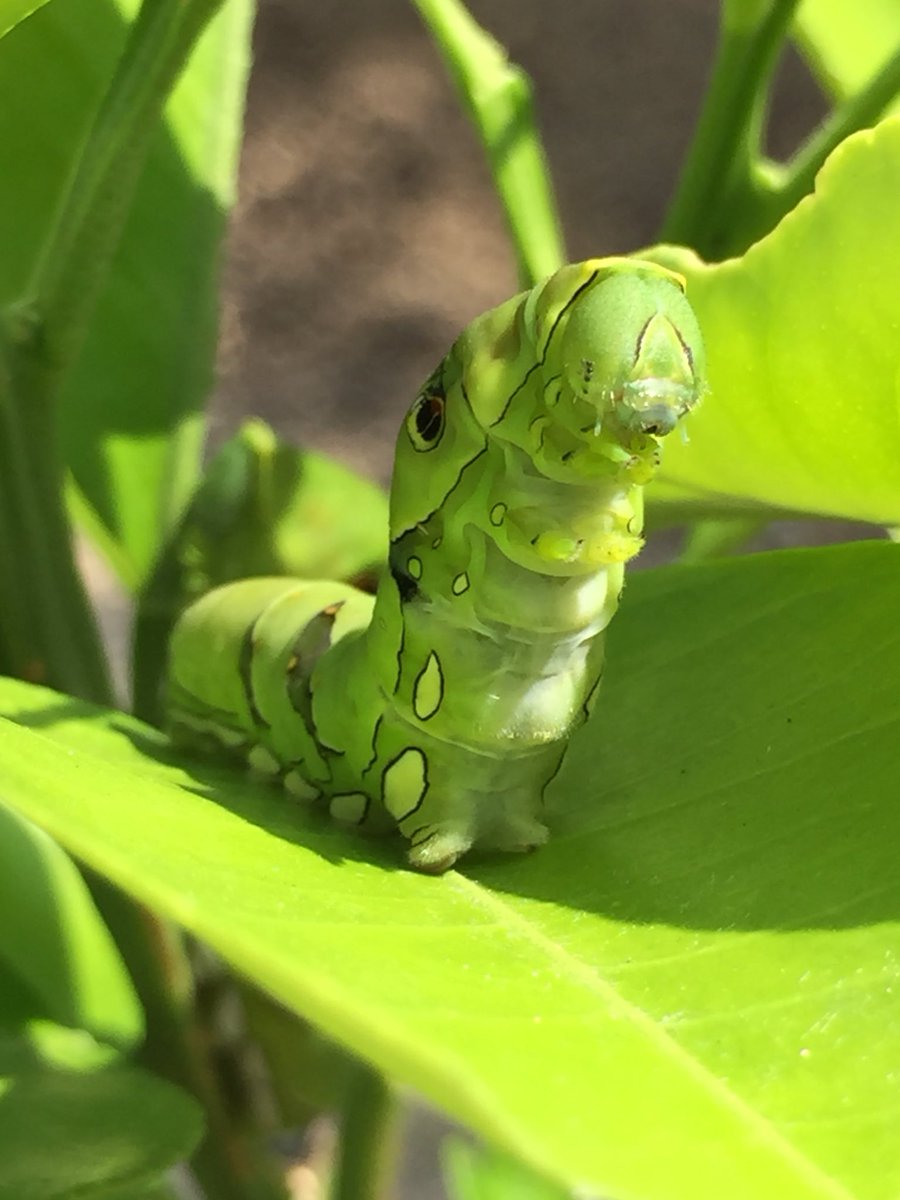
x,y
707,791
739,777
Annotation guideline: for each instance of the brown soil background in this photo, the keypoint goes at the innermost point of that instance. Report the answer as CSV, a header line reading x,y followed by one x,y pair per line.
x,y
367,233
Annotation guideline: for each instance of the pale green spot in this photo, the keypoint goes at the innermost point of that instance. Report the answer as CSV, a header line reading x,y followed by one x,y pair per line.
x,y
414,567
300,787
228,737
428,691
460,584
404,783
498,512
264,761
349,808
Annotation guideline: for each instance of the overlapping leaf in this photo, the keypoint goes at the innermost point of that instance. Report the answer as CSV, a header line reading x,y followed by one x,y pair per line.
x,y
804,361
847,44
690,993
54,940
131,427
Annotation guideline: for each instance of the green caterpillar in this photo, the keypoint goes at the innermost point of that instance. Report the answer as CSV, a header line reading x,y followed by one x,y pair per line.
x,y
443,705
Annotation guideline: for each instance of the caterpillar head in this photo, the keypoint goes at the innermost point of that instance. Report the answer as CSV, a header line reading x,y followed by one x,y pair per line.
x,y
631,352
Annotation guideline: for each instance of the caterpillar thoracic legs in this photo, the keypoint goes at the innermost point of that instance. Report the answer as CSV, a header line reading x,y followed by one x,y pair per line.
x,y
443,706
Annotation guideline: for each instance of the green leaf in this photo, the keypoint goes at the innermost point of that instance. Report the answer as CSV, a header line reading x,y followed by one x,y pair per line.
x,y
804,361
67,1134
497,94
14,11
847,44
475,1174
53,938
131,419
263,507
689,993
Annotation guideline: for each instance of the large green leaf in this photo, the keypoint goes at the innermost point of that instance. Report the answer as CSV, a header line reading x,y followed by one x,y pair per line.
x,y
81,1133
846,44
804,357
689,993
14,11
131,425
53,938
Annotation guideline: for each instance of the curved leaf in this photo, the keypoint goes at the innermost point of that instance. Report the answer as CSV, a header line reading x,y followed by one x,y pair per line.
x,y
131,418
846,44
68,1134
53,938
14,11
804,357
689,993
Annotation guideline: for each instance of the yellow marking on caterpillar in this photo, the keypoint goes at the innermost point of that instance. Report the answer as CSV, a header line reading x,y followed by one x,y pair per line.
x,y
404,783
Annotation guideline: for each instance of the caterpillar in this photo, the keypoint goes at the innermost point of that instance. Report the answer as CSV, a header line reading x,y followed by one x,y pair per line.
x,y
443,705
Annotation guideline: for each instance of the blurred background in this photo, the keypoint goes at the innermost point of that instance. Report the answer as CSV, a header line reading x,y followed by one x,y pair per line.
x,y
367,234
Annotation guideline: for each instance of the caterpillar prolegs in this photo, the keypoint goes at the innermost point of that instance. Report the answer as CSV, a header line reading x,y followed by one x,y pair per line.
x,y
443,705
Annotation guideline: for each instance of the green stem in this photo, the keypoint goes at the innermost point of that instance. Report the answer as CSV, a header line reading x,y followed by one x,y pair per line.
x,y
76,256
49,632
720,167
855,113
178,1046
368,1136
498,96
58,640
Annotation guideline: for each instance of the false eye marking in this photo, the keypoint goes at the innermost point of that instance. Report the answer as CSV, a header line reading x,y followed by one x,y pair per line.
x,y
350,808
425,423
404,783
414,567
498,512
428,690
460,584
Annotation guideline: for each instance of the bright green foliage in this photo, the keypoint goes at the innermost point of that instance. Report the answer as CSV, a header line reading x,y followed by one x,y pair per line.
x,y
262,507
14,11
803,364
848,43
54,940
711,934
131,410
691,993
84,1131
473,1174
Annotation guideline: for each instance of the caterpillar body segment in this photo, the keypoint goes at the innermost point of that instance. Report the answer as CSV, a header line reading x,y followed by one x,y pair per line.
x,y
444,706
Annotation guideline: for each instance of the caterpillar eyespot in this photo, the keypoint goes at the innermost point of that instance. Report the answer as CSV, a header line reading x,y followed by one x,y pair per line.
x,y
507,547
425,422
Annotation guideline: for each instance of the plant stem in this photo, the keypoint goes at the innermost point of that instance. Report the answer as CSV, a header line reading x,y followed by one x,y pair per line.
x,y
48,627
857,112
49,633
498,96
720,167
368,1136
178,1046
73,265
